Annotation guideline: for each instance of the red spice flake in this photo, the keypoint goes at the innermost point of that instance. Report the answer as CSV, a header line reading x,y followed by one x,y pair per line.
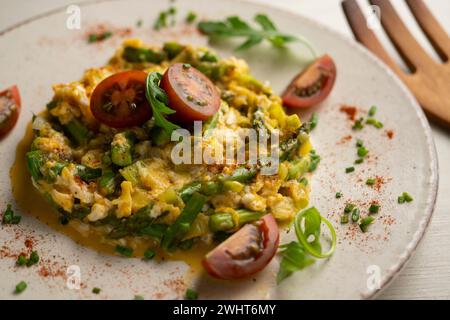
x,y
390,133
52,269
345,139
350,111
29,243
176,285
102,32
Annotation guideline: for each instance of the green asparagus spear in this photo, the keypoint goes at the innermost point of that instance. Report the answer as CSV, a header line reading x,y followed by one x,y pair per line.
x,y
184,221
139,55
87,173
224,221
77,131
122,149
35,160
107,183
240,174
172,49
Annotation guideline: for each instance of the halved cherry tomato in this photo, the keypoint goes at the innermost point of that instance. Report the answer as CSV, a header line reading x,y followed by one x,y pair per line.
x,y
246,252
312,85
191,94
9,109
119,101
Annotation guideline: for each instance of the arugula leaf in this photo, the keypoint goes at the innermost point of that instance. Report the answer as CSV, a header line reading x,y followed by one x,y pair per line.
x,y
158,100
235,27
295,258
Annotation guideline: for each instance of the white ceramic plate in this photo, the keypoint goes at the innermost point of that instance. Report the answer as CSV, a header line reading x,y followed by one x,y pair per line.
x,y
43,51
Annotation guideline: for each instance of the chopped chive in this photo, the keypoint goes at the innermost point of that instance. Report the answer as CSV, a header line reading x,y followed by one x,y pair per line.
x,y
106,35
172,10
362,151
34,258
138,297
407,197
359,143
186,65
349,207
22,260
191,16
125,251
315,159
374,208
349,169
9,216
52,105
96,290
92,38
359,161
191,294
372,111
358,125
338,195
370,181
313,121
303,181
365,223
344,219
377,124
355,215
20,287
149,254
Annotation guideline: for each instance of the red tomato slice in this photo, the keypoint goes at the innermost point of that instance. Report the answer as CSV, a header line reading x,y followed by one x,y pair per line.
x,y
246,252
312,85
9,109
191,94
119,101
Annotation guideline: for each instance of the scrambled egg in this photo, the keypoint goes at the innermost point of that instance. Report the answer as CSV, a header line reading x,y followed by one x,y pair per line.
x,y
78,175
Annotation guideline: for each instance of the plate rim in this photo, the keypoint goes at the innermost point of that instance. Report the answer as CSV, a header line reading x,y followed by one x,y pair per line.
x,y
403,258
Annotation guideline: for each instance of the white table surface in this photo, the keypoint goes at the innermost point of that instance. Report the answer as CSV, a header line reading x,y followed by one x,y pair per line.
x,y
427,275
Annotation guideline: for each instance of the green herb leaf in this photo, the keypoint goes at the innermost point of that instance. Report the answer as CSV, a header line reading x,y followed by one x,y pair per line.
x,y
96,290
158,99
349,169
295,258
372,111
338,195
235,27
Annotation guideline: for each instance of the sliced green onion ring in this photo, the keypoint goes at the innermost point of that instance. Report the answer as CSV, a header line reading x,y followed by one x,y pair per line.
x,y
302,238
